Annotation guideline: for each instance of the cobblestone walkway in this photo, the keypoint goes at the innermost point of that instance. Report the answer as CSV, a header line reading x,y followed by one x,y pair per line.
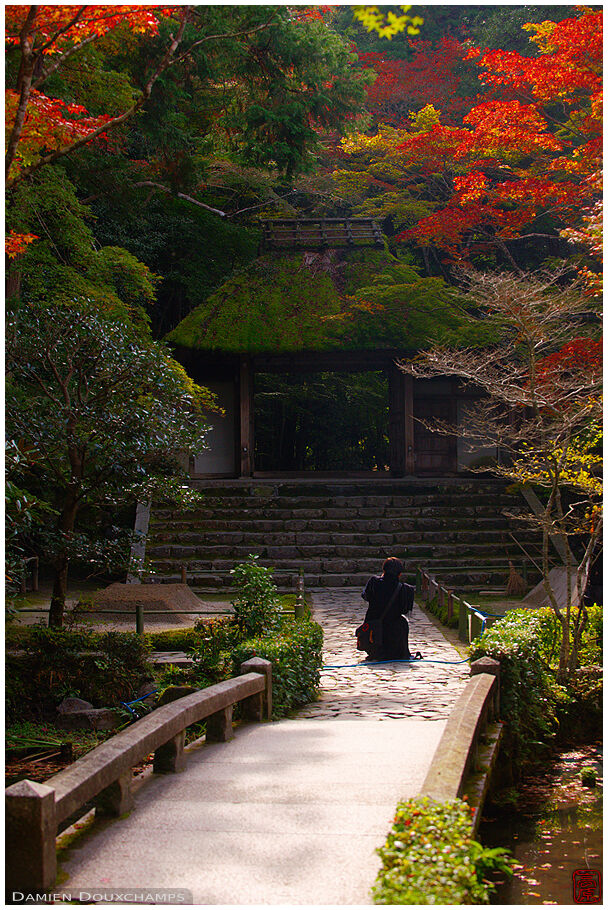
x,y
426,691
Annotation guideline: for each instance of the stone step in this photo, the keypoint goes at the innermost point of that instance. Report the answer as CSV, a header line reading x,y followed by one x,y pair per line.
x,y
291,550
332,509
339,532
438,549
464,581
192,542
331,563
371,566
418,521
360,498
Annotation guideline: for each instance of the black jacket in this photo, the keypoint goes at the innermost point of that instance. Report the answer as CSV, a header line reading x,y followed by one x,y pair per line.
x,y
379,590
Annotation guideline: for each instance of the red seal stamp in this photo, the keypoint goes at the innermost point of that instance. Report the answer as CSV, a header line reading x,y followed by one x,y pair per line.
x,y
587,886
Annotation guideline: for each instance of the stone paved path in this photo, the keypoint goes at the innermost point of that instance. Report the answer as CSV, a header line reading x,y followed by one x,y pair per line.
x,y
426,691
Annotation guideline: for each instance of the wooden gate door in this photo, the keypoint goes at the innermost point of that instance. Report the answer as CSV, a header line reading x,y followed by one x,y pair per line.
x,y
434,453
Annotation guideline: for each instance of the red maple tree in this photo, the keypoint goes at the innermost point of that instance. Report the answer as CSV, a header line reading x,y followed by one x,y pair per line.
x,y
432,75
525,156
40,128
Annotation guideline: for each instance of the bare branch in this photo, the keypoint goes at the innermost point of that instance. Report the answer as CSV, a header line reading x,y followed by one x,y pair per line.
x,y
166,189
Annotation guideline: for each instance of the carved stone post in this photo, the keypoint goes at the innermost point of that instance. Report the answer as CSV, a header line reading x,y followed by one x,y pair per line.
x,y
171,757
491,666
31,829
117,799
219,726
258,707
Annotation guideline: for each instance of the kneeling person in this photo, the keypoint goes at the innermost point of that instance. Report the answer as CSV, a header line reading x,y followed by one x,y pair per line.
x,y
389,600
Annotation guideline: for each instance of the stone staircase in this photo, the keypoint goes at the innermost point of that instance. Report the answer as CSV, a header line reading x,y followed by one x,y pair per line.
x,y
339,532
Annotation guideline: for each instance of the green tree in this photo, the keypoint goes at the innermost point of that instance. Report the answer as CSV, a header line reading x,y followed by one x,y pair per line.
x,y
102,412
251,98
95,409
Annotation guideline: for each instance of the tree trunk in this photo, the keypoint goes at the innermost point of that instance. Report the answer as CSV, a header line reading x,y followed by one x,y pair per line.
x,y
564,651
67,521
13,279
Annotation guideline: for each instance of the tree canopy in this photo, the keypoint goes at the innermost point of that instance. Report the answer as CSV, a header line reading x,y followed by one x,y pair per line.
x,y
144,145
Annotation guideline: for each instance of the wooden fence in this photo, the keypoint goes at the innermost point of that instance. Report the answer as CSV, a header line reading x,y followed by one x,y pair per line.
x,y
472,620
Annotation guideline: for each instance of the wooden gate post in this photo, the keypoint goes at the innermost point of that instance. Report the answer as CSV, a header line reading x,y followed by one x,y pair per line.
x,y
246,409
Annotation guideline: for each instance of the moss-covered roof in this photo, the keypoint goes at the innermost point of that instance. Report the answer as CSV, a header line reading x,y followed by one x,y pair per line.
x,y
355,300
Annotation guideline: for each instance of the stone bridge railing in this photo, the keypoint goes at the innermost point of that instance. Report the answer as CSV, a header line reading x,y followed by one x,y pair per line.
x,y
34,811
468,749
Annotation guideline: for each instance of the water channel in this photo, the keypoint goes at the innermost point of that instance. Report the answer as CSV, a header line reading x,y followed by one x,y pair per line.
x,y
553,830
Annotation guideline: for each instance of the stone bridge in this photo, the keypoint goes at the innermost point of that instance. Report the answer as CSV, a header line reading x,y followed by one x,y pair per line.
x,y
289,812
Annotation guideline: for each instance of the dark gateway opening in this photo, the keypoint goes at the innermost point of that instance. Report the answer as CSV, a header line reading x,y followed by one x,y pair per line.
x,y
321,422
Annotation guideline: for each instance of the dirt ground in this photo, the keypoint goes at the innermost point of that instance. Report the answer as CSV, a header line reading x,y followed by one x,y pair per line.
x,y
34,607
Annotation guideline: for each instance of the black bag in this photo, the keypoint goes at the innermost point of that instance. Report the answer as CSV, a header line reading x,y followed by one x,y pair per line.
x,y
369,634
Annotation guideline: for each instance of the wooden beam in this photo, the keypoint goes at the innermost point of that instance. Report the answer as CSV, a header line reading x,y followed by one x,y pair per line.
x,y
246,409
396,420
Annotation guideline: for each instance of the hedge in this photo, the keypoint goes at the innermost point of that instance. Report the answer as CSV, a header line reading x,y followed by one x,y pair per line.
x,y
430,857
441,612
529,693
296,656
526,642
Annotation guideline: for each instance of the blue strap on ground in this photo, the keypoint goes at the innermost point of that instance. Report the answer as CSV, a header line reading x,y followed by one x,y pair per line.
x,y
376,663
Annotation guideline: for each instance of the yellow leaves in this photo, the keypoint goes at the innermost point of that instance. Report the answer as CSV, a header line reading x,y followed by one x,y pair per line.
x,y
386,138
352,183
540,34
387,25
201,397
425,119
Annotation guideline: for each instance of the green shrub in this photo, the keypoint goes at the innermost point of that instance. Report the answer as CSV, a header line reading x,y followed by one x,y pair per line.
x,y
550,634
216,638
173,640
296,656
529,694
591,650
256,603
430,857
534,706
54,666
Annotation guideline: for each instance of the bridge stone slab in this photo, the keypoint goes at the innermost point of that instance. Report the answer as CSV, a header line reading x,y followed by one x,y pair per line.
x,y
286,813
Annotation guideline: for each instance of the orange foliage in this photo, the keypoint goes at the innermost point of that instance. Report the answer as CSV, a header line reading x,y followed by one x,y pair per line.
x,y
579,356
46,36
14,244
58,28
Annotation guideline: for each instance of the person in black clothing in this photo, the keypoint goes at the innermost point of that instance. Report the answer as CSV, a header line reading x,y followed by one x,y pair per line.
x,y
395,628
